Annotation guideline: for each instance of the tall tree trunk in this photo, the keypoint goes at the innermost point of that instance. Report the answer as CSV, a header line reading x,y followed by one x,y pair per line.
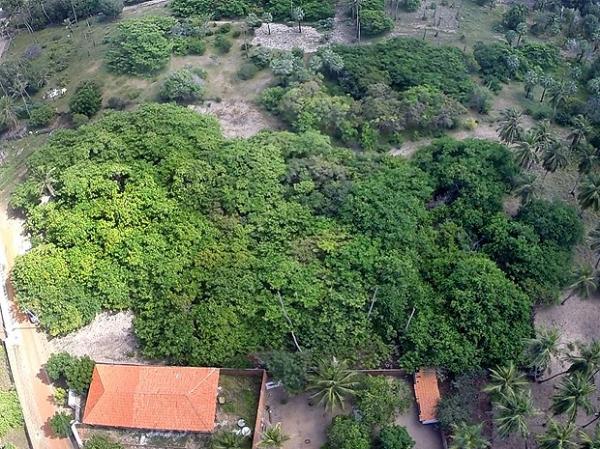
x,y
562,373
543,95
562,303
596,418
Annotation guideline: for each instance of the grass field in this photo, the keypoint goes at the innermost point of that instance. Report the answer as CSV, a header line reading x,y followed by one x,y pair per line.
x,y
15,436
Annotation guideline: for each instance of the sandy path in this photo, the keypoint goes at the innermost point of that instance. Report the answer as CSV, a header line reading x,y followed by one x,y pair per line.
x,y
27,348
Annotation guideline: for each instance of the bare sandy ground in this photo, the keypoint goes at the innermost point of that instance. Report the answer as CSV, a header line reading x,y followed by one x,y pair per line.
x,y
283,37
109,338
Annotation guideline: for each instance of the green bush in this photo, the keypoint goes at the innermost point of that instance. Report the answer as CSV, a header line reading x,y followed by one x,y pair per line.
x,y
555,222
378,398
196,46
101,442
225,28
41,116
117,103
60,424
375,22
79,120
345,433
515,15
395,437
412,5
222,44
10,412
110,8
75,371
289,368
140,46
218,9
87,99
247,71
183,86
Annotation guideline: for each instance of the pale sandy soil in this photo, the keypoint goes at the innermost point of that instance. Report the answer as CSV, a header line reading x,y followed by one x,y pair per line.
x,y
109,338
283,37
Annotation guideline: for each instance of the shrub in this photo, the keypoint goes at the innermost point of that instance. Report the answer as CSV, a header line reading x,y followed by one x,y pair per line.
x,y
345,433
289,368
101,442
412,5
60,396
110,8
375,22
60,424
10,412
182,86
222,44
247,71
196,46
261,56
225,28
395,437
75,371
41,116
515,15
480,100
117,103
216,8
378,398
140,46
554,222
87,99
461,403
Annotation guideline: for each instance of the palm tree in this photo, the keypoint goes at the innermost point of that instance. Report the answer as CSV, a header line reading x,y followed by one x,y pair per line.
x,y
510,128
589,192
273,437
521,31
332,382
512,414
560,92
546,81
555,158
594,238
505,381
540,350
585,283
587,360
579,131
466,436
8,113
525,188
267,18
525,152
227,440
355,8
558,436
587,161
532,78
542,135
298,16
572,394
590,441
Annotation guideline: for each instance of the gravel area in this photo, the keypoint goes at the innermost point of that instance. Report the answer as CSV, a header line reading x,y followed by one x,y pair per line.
x,y
109,338
284,37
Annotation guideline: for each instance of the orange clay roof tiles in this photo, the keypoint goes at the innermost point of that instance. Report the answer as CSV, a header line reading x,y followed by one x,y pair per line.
x,y
153,397
427,394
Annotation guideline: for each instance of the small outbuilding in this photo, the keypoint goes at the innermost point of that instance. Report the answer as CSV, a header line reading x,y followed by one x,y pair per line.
x,y
165,398
427,394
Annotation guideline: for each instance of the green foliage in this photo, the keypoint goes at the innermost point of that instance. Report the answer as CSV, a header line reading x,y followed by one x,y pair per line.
x,y
554,222
140,46
515,15
223,44
211,242
110,8
41,116
395,437
76,371
402,63
247,71
87,99
60,424
378,398
290,368
217,8
345,433
375,22
101,442
181,86
10,412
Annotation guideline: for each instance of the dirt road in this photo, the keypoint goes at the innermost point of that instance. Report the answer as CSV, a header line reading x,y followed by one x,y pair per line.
x,y
27,348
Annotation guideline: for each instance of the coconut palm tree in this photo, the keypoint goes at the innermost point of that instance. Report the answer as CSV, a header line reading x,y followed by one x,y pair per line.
x,y
573,394
521,31
585,283
542,135
546,81
579,131
589,192
298,16
540,350
594,239
8,113
467,436
273,437
525,151
590,441
505,381
525,188
227,440
510,128
512,413
532,78
586,360
267,18
555,157
558,436
332,382
587,161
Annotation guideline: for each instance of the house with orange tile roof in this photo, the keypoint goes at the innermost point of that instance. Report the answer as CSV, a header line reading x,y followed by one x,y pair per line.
x,y
427,394
167,398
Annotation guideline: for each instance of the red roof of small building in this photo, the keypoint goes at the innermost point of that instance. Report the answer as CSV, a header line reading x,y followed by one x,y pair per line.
x,y
427,394
153,397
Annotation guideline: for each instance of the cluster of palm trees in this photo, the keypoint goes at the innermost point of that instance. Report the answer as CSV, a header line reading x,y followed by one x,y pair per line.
x,y
514,407
272,438
539,145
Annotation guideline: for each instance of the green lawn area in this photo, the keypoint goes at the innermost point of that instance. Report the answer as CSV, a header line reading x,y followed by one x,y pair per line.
x,y
241,397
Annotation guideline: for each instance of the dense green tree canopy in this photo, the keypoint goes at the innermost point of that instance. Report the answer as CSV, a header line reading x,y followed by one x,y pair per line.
x,y
225,247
